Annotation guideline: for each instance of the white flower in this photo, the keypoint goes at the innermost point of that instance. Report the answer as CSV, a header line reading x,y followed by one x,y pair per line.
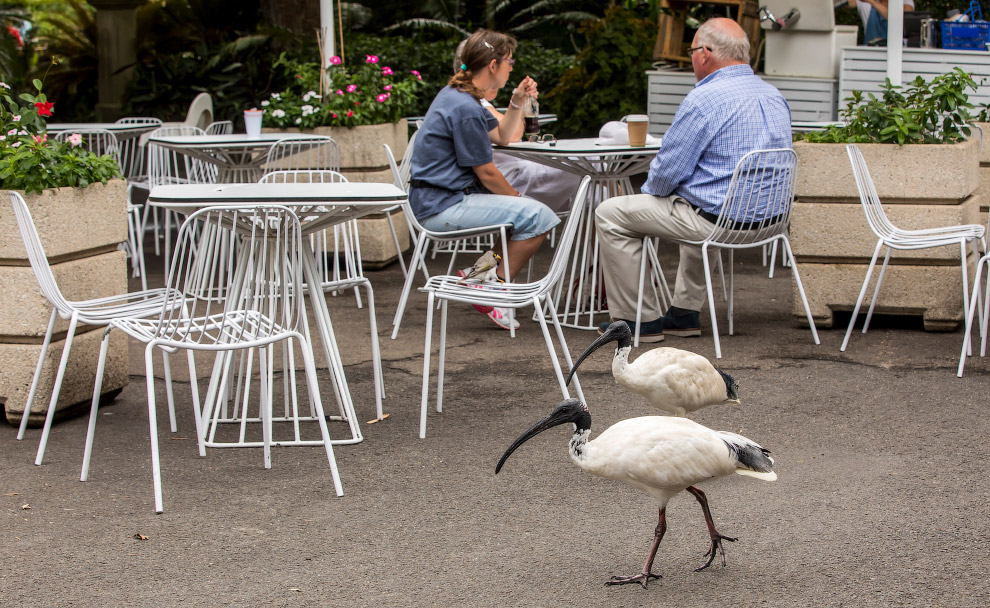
x,y
12,132
298,120
4,85
15,144
3,137
278,113
276,96
306,97
22,132
265,102
75,139
16,118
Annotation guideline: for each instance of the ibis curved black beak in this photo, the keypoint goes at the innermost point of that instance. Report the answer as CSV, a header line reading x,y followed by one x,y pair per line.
x,y
616,332
563,413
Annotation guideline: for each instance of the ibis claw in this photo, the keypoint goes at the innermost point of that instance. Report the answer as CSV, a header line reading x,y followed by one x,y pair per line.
x,y
642,578
716,548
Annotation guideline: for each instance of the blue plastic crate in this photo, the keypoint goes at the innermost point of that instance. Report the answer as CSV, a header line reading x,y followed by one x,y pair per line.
x,y
972,35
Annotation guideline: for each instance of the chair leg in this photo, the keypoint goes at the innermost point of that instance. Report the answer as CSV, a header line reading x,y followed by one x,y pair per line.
x,y
967,345
862,294
407,286
395,241
427,352
786,253
552,310
442,356
876,290
94,407
170,397
37,374
314,393
156,472
711,299
59,376
965,278
732,286
376,353
265,405
551,349
639,297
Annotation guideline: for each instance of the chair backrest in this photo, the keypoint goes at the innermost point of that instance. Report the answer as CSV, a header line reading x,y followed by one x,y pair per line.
x,y
405,168
761,195
263,275
36,255
139,120
868,197
97,141
220,127
403,184
200,112
302,176
565,243
166,166
311,153
132,148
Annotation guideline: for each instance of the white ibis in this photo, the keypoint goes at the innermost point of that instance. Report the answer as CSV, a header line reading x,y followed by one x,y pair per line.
x,y
673,380
660,455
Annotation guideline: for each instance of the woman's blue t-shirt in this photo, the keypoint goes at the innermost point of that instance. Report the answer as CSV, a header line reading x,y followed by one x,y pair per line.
x,y
453,140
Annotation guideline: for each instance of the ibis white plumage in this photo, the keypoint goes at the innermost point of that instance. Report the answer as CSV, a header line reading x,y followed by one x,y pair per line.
x,y
660,455
675,381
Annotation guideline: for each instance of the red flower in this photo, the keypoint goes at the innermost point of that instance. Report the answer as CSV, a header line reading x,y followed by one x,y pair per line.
x,y
44,107
13,31
350,113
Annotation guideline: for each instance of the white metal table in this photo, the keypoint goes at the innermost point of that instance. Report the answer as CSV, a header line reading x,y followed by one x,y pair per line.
x,y
610,167
238,157
318,206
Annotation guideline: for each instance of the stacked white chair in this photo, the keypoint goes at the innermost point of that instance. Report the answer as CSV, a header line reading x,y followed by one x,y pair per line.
x,y
538,294
762,185
264,305
891,237
425,237
220,127
97,312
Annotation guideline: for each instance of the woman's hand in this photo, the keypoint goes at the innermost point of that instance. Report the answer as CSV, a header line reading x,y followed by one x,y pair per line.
x,y
526,88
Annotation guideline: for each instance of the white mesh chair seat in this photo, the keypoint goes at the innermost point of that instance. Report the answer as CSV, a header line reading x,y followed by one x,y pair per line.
x,y
538,294
263,275
97,312
892,237
756,212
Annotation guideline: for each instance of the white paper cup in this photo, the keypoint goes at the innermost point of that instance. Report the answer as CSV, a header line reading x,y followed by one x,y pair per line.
x,y
638,124
252,122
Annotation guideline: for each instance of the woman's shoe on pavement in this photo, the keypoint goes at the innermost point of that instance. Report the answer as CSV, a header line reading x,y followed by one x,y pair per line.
x,y
502,318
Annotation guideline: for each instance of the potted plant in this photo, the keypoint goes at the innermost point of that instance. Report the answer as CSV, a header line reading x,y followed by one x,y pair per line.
x,y
78,204
926,169
361,107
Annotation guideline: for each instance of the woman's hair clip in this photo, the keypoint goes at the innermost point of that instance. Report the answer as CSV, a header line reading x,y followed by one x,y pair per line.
x,y
490,47
463,67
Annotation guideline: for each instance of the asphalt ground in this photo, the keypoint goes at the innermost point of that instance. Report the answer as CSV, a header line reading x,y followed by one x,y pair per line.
x,y
881,500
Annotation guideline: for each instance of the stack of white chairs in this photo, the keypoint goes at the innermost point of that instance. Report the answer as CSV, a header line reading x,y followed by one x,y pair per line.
x,y
263,306
97,312
890,237
762,186
538,294
426,237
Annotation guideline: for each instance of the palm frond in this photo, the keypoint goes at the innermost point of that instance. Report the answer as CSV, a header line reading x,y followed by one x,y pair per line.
x,y
426,24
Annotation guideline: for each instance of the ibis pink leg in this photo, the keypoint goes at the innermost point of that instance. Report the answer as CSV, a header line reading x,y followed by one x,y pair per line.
x,y
712,532
644,577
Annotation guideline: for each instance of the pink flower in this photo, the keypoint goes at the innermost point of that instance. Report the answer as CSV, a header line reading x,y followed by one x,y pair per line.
x,y
16,118
416,74
334,114
387,87
351,88
382,97
75,139
370,59
386,71
43,138
350,113
339,92
335,60
15,144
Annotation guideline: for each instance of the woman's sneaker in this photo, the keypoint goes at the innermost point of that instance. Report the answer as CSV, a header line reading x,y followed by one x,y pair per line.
x,y
482,309
502,318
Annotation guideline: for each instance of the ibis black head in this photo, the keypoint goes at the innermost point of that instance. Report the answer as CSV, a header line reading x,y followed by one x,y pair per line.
x,y
731,387
617,331
569,410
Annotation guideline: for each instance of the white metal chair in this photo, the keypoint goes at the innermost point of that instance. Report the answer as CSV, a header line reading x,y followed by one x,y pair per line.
x,y
96,312
400,177
320,153
975,305
538,294
891,237
762,186
200,113
338,258
264,306
423,239
220,127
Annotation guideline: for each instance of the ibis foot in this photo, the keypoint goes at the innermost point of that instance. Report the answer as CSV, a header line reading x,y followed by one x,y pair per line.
x,y
642,578
716,548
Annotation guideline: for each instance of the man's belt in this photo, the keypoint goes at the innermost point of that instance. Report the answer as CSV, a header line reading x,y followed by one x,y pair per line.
x,y
475,188
738,225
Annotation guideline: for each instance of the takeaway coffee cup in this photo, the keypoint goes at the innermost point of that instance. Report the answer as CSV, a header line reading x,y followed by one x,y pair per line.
x,y
252,122
637,129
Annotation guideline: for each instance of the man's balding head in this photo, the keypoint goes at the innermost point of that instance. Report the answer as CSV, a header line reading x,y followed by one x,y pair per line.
x,y
721,42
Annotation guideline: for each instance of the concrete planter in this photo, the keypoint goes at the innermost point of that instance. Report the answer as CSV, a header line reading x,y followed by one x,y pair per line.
x,y
920,186
983,192
80,230
362,159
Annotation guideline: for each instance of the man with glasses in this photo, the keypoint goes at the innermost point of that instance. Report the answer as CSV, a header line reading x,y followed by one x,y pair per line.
x,y
728,114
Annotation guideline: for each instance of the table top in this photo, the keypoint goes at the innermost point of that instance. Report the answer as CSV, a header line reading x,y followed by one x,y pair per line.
x,y
113,127
230,140
578,147
196,195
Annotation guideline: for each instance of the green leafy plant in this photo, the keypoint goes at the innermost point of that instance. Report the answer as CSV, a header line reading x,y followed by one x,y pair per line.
x,y
369,94
30,161
932,112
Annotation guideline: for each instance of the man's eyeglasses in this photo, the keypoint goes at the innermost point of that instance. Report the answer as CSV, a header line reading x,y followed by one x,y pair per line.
x,y
546,138
691,50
